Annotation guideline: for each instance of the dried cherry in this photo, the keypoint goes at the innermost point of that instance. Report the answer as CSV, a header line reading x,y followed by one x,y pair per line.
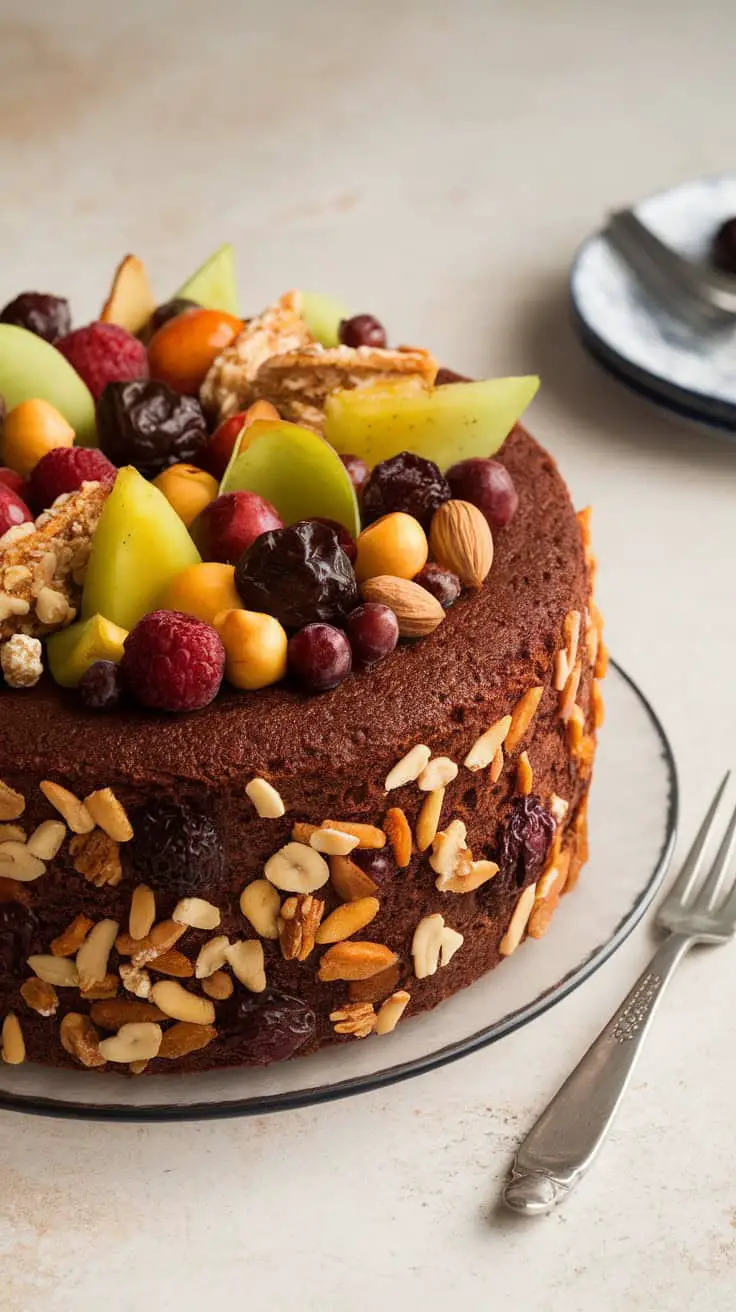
x,y
147,424
298,574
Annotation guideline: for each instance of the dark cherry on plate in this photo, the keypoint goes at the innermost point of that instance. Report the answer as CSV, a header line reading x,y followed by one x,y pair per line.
x,y
46,316
488,485
319,657
357,469
298,574
373,630
407,483
442,583
362,330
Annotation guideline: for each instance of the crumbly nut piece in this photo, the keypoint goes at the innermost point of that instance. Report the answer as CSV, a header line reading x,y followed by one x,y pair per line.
x,y
80,1039
522,716
18,862
398,832
160,939
434,944
218,986
12,803
21,661
496,766
69,807
356,1018
297,868
185,1037
142,912
246,961
133,1043
265,799
173,963
297,925
468,879
355,960
197,913
178,1003
437,774
39,996
110,1014
332,842
518,923
12,1043
369,837
484,748
94,954
97,857
260,904
59,971
409,768
347,919
52,554
105,988
229,385
451,857
391,1011
70,941
429,818
46,840
524,775
349,881
136,980
109,814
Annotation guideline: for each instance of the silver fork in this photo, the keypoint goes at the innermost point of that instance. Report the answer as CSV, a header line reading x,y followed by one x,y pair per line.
x,y
565,1140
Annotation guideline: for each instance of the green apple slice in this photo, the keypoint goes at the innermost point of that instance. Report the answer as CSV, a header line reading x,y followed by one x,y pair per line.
x,y
214,285
140,544
31,368
71,651
296,470
322,316
444,424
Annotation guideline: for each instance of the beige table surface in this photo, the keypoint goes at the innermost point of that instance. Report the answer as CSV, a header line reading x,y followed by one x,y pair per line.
x,y
437,163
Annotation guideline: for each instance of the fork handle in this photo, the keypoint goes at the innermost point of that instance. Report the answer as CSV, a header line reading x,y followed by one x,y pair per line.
x,y
563,1143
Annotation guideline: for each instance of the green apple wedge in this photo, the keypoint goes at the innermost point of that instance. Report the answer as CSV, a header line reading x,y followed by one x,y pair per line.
x,y
296,470
322,315
140,544
214,284
31,368
444,424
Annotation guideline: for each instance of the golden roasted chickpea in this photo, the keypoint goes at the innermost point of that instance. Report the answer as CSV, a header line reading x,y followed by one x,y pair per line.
x,y
201,590
187,489
31,430
395,544
255,648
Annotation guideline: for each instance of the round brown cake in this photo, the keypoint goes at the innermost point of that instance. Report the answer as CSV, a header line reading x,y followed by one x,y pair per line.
x,y
503,696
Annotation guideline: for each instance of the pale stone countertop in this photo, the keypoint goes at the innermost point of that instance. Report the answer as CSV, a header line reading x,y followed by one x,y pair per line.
x,y
438,164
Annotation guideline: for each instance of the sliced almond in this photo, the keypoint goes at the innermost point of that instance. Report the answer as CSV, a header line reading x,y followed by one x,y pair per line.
x,y
398,832
218,986
113,1013
105,988
12,834
599,710
173,963
297,868
417,611
524,775
133,1043
80,1039
265,799
197,913
575,729
302,830
176,1001
12,804
496,766
142,912
348,919
434,944
349,881
450,852
333,842
46,840
71,939
212,956
523,714
351,960
437,774
391,1011
370,837
429,818
247,963
518,923
408,769
136,980
39,996
452,939
468,881
570,691
59,971
94,954
74,812
260,904
461,540
18,862
109,814
184,1037
12,1043
160,939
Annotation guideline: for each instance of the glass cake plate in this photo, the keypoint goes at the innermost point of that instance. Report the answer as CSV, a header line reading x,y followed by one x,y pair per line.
x,y
635,778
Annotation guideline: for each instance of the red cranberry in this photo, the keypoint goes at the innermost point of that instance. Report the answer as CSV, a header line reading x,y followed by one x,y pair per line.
x,y
373,631
362,330
723,249
357,469
346,541
407,483
319,657
46,316
100,687
268,1027
487,485
445,376
298,574
442,583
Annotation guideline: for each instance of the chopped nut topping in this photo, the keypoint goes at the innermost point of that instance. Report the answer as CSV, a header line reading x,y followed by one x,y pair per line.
x,y
297,868
110,1015
184,1037
18,862
52,608
570,692
429,818
133,1043
548,897
59,971
369,837
496,766
12,804
196,913
160,939
68,943
40,997
485,747
376,987
74,812
356,1018
408,769
348,919
524,775
518,923
265,799
212,956
94,954
391,1011
260,904
332,842
107,987
599,710
437,774
80,1039
21,661
302,830
575,729
467,880
522,716
173,963
136,980
351,960
176,1001
558,807
10,607
246,961
567,656
97,857
12,834
229,385
297,924
349,881
12,1043
450,853
398,832
434,944
109,814
142,912
218,986
46,839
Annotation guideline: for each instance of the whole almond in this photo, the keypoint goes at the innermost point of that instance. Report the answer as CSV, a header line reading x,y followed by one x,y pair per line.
x,y
460,539
418,612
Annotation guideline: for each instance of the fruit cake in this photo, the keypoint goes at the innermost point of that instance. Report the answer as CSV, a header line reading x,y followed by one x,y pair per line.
x,y
300,679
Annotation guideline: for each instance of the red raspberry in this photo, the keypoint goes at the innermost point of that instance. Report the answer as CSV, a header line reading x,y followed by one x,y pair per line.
x,y
103,353
13,511
173,662
64,469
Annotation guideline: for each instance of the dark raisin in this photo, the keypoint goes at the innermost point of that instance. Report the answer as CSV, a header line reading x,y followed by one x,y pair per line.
x,y
405,482
176,850
100,687
147,424
442,583
298,574
373,862
269,1027
526,841
46,316
17,924
362,330
344,538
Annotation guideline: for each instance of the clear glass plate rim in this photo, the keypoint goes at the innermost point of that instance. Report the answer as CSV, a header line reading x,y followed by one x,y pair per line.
x,y
289,1101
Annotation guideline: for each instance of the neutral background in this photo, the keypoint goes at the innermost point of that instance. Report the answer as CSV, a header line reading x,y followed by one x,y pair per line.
x,y
437,163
